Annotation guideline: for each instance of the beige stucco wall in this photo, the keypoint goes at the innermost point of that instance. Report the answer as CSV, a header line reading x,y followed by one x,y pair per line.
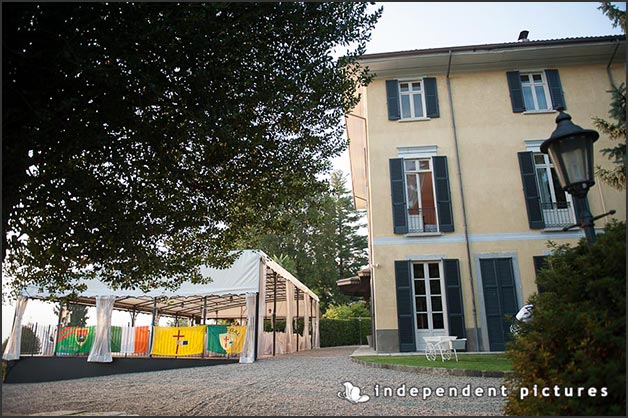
x,y
489,137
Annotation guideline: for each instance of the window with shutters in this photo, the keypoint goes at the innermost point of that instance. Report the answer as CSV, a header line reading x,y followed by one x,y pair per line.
x,y
421,201
535,91
414,99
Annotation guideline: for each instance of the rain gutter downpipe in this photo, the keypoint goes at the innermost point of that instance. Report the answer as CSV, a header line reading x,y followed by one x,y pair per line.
x,y
608,67
464,210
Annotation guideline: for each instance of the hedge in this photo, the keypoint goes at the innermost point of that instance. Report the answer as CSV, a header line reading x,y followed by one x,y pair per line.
x,y
334,332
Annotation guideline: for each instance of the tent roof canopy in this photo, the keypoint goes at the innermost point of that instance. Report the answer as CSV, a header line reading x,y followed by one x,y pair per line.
x,y
225,291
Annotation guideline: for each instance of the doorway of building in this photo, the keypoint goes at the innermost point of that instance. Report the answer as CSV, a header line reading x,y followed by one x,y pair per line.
x,y
500,299
429,301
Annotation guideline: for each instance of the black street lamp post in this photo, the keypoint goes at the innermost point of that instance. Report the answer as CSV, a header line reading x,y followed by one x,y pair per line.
x,y
571,150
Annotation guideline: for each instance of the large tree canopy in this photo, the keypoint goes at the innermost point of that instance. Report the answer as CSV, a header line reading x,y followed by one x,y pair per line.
x,y
138,138
320,241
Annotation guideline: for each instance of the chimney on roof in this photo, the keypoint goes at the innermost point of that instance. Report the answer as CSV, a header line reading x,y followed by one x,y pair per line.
x,y
523,36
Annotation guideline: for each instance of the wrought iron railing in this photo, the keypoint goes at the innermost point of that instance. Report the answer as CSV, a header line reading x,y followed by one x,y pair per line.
x,y
422,220
557,214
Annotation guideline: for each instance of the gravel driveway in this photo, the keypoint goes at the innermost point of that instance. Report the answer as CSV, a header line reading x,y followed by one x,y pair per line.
x,y
305,383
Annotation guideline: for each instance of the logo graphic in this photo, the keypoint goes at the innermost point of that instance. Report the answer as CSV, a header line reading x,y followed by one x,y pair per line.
x,y
226,341
352,394
80,335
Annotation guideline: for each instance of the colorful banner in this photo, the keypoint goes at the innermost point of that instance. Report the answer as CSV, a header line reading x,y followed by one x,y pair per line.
x,y
134,340
75,340
178,341
223,339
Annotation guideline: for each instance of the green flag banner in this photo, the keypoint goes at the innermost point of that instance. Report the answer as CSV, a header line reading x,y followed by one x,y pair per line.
x,y
116,339
75,340
222,339
213,338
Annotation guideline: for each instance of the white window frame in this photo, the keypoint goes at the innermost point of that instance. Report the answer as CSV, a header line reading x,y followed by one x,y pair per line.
x,y
420,203
544,84
428,296
547,166
413,116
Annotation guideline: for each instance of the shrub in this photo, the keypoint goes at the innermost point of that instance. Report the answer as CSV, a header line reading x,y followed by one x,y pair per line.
x,y
577,337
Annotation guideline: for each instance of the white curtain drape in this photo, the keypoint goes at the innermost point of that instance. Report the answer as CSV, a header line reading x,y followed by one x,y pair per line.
x,y
316,343
12,350
289,301
261,299
101,349
248,352
305,344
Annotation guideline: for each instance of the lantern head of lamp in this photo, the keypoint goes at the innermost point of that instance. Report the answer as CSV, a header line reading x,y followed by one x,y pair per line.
x,y
571,150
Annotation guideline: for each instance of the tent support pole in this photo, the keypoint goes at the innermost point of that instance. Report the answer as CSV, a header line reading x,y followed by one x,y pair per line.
x,y
296,329
54,352
274,312
204,310
308,326
152,323
256,322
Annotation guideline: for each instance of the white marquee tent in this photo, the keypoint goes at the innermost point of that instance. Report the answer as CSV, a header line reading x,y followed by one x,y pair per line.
x,y
254,288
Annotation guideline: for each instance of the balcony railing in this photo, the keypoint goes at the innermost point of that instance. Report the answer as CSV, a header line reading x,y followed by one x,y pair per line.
x,y
422,220
557,214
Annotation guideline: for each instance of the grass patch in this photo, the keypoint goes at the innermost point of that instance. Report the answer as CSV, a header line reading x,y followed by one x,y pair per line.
x,y
483,362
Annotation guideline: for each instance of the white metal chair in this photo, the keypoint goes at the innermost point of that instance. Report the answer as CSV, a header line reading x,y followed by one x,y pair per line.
x,y
444,346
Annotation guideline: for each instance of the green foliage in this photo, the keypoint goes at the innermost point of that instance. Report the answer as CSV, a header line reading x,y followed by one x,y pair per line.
x,y
78,314
139,139
577,337
337,332
30,343
617,16
616,130
319,242
354,310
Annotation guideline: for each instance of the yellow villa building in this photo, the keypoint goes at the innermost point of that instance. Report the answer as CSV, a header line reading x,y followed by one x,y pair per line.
x,y
461,203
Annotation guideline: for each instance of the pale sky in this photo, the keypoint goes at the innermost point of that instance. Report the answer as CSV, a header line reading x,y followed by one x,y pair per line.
x,y
421,25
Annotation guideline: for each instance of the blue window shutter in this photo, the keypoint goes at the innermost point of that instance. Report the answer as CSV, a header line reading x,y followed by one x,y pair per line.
x,y
443,196
431,97
398,195
405,301
516,92
556,89
392,99
531,190
453,291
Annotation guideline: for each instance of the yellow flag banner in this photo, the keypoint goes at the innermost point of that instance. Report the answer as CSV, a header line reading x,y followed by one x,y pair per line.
x,y
234,339
178,341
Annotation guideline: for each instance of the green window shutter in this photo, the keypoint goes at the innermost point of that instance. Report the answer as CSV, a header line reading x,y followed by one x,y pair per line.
x,y
453,290
398,195
556,89
443,196
405,313
431,97
392,100
531,190
516,92
539,261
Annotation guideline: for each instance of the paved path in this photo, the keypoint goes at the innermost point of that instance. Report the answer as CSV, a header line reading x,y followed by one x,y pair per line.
x,y
305,383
